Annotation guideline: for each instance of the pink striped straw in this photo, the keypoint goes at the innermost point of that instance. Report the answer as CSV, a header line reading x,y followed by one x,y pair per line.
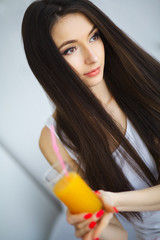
x,y
56,149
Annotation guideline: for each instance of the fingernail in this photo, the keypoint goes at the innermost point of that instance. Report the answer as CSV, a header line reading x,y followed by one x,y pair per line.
x,y
97,192
89,215
92,224
100,213
116,210
96,239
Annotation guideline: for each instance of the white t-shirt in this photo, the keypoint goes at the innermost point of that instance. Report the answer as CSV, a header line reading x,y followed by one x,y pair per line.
x,y
149,229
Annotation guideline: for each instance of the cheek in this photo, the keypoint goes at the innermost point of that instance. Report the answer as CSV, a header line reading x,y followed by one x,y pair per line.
x,y
75,63
101,51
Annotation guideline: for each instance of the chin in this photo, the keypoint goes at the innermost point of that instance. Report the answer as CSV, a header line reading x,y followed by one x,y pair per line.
x,y
93,82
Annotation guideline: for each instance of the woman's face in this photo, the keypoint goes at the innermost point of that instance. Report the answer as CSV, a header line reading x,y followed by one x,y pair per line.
x,y
79,42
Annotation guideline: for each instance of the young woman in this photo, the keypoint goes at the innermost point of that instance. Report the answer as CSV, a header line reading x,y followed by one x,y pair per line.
x,y
106,90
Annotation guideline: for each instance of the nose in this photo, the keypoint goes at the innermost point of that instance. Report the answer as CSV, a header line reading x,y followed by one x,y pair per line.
x,y
90,56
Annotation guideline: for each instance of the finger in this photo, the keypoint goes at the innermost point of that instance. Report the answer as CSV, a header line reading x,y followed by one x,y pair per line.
x,y
88,236
67,212
102,225
88,233
88,225
85,230
77,218
95,218
108,208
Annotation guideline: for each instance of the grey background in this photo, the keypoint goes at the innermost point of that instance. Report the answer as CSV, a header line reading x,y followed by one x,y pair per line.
x,y
28,210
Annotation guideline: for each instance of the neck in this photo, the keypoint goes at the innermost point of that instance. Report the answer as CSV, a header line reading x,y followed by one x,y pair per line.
x,y
102,93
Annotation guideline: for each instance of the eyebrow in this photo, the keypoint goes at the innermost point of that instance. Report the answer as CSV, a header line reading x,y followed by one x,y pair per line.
x,y
73,41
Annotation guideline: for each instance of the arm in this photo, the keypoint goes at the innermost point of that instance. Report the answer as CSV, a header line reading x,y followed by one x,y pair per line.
x,y
115,228
45,144
139,200
107,227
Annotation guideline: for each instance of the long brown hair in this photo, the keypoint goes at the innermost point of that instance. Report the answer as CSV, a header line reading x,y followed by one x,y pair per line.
x,y
83,125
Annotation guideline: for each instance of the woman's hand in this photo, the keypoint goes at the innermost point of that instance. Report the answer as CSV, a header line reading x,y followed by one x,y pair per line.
x,y
90,226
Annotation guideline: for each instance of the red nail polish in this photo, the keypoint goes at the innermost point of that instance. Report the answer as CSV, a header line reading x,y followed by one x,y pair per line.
x,y
96,239
89,215
100,213
92,224
116,210
97,192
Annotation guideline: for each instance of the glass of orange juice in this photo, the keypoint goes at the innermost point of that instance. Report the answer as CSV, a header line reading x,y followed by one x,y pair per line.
x,y
72,190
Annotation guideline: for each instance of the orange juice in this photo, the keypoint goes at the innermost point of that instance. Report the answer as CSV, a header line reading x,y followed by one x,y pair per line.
x,y
76,194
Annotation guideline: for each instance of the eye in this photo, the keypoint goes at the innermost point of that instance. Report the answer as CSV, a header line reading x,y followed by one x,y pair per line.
x,y
69,51
95,36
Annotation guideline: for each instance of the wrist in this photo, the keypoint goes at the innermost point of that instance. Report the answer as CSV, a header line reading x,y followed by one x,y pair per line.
x,y
118,200
113,200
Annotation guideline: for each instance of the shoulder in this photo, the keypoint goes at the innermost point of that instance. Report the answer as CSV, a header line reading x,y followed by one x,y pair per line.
x,y
45,137
54,115
45,145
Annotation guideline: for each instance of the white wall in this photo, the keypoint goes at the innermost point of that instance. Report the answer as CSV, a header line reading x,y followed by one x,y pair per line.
x,y
25,107
27,210
139,19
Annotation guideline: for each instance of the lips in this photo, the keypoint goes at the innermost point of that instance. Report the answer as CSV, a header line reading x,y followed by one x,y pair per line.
x,y
93,73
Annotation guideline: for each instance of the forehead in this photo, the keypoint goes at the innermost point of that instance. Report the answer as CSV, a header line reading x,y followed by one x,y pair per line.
x,y
71,26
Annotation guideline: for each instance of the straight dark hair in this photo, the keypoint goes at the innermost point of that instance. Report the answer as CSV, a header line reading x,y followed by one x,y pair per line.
x,y
83,125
